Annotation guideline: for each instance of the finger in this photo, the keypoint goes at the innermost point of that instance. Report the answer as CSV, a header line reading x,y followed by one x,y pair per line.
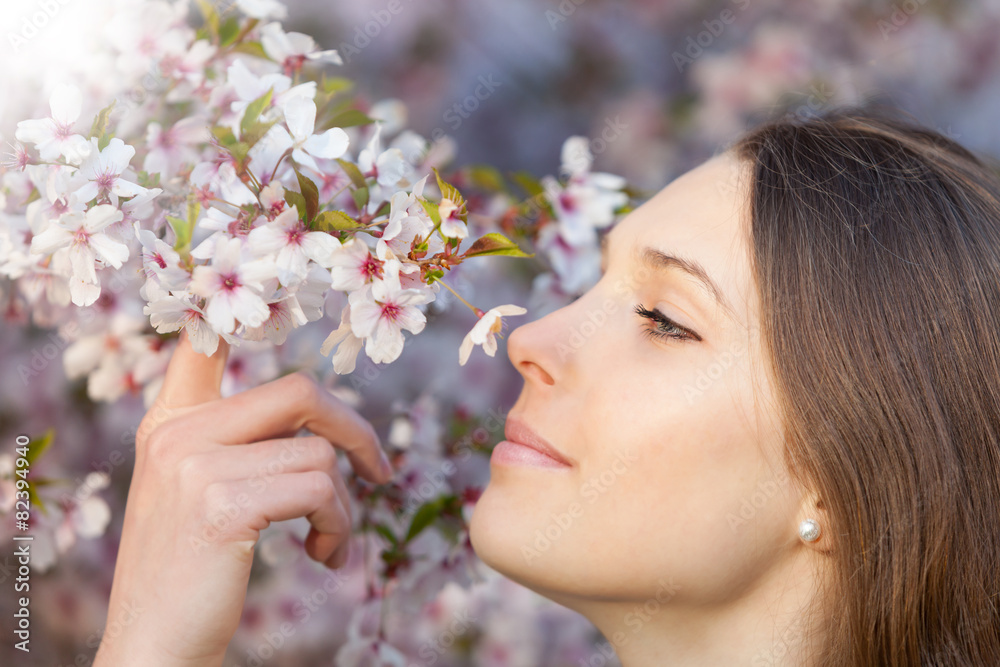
x,y
286,405
332,550
192,377
310,494
262,461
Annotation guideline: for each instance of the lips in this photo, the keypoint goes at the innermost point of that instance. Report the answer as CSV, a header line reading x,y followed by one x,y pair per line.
x,y
520,433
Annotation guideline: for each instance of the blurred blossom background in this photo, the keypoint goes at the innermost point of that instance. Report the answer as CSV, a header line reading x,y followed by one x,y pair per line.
x,y
657,86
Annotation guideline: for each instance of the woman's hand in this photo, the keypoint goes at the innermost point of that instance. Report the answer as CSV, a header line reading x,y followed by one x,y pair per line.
x,y
210,474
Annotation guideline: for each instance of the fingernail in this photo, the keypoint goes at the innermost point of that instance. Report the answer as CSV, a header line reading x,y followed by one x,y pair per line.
x,y
386,466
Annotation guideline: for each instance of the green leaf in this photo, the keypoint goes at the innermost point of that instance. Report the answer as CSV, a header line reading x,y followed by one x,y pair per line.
x,y
295,199
350,118
252,113
229,31
432,211
449,191
423,517
224,135
147,181
353,173
384,531
529,183
486,177
193,210
360,198
252,48
310,194
38,446
100,127
495,244
257,132
211,16
182,230
329,221
239,151
336,84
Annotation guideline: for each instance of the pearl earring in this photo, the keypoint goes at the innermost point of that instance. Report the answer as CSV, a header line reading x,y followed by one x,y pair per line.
x,y
809,530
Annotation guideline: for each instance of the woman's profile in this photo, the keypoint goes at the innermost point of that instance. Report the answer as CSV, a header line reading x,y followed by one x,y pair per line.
x,y
783,429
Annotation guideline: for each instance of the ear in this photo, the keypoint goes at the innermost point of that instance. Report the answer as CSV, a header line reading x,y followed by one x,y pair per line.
x,y
813,508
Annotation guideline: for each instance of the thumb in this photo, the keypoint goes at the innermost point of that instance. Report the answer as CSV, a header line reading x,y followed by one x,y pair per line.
x,y
193,377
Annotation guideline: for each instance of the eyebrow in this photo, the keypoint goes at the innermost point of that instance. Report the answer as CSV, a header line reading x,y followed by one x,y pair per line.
x,y
661,261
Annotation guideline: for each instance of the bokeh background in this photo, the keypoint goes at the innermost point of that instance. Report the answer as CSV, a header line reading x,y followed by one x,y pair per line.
x,y
657,85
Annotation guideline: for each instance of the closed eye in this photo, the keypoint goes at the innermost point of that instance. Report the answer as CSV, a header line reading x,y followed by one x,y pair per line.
x,y
665,327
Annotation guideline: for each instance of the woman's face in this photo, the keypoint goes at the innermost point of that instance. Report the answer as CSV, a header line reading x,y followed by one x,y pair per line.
x,y
677,478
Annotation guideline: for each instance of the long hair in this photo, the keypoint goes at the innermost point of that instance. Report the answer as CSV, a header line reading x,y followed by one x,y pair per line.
x,y
876,247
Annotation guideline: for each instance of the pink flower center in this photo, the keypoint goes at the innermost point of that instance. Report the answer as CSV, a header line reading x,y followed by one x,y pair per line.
x,y
105,182
241,225
567,202
81,236
63,131
296,234
230,281
391,311
371,268
158,258
293,64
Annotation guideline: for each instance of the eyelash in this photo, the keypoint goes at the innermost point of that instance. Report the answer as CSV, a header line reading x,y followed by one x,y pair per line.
x,y
679,333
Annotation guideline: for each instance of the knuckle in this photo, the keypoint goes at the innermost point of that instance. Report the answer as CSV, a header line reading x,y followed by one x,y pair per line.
x,y
214,497
321,486
302,388
194,472
323,454
161,445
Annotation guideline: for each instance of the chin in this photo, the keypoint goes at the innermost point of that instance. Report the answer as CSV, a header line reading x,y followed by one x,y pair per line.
x,y
504,532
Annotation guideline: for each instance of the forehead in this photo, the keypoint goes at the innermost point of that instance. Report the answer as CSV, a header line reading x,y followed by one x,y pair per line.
x,y
701,215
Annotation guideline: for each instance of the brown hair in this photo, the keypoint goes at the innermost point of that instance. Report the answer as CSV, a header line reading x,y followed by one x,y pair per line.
x,y
876,247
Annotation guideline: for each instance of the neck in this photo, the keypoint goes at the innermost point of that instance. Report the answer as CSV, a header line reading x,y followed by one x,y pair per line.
x,y
766,624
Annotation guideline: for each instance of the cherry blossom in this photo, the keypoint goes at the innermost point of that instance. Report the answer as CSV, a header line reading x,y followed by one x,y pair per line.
x,y
381,311
232,286
300,116
54,136
347,344
353,266
102,171
293,245
262,9
82,237
171,312
389,166
589,200
170,148
485,330
293,49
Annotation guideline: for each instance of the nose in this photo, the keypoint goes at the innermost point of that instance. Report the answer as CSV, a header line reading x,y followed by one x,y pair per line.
x,y
533,349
